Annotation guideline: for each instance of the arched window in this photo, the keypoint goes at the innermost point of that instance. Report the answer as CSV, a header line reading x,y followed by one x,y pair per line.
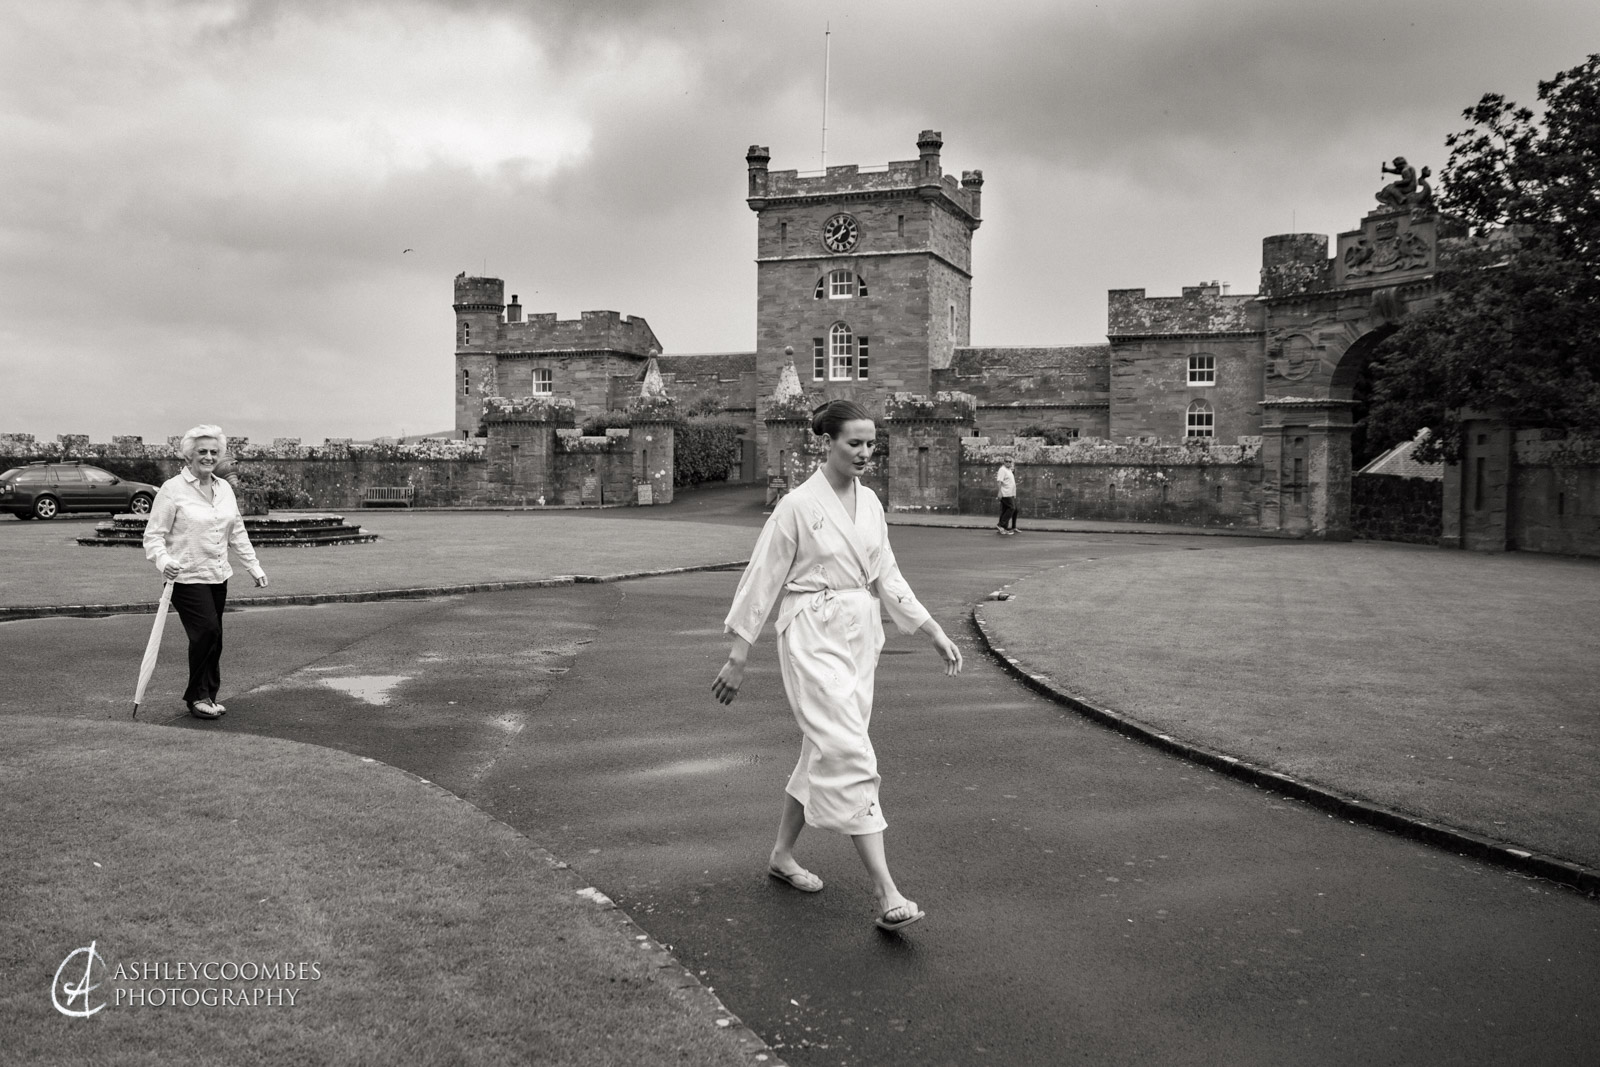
x,y
840,285
841,353
1200,421
466,383
466,333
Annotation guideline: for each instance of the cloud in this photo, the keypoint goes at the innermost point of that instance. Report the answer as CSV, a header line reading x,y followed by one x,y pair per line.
x,y
204,202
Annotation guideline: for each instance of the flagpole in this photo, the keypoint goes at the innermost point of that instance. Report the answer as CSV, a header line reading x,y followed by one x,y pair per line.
x,y
827,57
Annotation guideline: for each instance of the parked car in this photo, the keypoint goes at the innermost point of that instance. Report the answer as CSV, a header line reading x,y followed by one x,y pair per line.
x,y
44,490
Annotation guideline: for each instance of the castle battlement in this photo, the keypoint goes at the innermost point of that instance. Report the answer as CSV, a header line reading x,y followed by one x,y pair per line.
x,y
1201,309
607,331
924,176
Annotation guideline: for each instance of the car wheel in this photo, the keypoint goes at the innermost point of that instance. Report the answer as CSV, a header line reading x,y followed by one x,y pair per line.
x,y
45,507
140,505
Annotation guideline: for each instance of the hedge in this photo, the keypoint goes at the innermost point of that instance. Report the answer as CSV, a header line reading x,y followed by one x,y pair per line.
x,y
704,452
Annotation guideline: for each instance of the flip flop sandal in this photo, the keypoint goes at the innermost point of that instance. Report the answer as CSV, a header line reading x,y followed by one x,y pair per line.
x,y
804,881
883,921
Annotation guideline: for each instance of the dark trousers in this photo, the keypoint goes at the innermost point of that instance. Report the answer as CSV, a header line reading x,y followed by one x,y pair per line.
x,y
1008,513
200,606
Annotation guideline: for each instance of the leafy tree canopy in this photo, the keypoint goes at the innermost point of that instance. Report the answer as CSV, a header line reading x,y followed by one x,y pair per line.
x,y
1517,326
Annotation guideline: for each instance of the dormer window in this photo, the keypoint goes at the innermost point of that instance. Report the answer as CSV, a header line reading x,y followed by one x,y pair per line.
x,y
840,285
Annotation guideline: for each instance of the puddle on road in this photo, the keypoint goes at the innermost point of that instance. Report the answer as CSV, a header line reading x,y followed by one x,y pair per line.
x,y
372,688
712,765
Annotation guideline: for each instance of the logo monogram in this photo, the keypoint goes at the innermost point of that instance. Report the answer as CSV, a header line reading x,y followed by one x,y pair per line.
x,y
82,989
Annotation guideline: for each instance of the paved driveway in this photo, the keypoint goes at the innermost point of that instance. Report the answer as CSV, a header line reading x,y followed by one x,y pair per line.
x,y
1089,900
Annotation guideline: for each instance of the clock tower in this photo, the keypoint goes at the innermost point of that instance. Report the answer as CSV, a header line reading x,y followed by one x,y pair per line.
x,y
866,273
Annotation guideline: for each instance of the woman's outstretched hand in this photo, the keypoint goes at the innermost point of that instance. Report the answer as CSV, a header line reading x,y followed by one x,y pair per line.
x,y
948,650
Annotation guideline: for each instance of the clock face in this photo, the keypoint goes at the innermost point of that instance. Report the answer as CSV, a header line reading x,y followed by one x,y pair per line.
x,y
839,233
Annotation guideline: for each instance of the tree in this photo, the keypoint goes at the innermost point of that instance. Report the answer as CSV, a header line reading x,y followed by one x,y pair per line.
x,y
1516,328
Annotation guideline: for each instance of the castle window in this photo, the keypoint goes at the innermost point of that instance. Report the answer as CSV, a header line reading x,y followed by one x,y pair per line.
x,y
543,381
466,383
1200,420
841,353
900,225
952,320
840,285
783,232
1202,370
861,356
466,333
819,359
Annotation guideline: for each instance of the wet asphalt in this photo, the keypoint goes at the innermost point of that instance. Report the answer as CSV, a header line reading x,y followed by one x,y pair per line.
x,y
1089,900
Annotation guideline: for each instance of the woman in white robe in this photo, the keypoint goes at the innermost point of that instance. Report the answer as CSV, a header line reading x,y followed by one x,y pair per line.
x,y
823,559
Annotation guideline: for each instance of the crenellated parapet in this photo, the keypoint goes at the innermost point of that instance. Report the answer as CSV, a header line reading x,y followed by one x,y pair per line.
x,y
923,176
1201,310
591,331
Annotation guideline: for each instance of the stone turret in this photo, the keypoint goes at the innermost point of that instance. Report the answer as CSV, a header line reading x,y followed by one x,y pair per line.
x,y
928,144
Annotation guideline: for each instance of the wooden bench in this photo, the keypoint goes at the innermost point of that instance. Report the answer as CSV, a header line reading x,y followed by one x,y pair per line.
x,y
380,496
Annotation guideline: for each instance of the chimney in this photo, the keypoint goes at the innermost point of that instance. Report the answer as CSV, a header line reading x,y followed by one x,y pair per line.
x,y
514,310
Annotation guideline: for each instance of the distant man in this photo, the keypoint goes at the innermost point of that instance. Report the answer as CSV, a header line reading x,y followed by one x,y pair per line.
x,y
1007,483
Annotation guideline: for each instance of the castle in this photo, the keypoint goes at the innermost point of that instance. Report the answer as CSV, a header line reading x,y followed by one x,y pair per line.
x,y
863,285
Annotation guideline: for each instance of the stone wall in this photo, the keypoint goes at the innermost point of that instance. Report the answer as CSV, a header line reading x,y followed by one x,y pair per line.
x,y
1555,504
1219,485
1388,507
1061,387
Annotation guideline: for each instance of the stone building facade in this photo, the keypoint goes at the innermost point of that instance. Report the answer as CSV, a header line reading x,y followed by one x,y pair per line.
x,y
596,360
864,286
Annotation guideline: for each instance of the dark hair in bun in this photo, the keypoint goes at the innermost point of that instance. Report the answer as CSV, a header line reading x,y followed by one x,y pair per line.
x,y
835,413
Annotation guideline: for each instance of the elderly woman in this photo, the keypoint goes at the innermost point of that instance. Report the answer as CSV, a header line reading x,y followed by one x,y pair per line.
x,y
824,561
192,522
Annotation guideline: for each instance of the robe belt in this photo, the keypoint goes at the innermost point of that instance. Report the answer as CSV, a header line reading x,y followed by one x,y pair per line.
x,y
822,601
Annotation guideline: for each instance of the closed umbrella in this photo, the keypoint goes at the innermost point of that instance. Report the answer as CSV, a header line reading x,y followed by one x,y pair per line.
x,y
152,648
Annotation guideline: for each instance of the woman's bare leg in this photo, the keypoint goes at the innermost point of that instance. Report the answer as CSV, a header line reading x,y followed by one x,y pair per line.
x,y
790,823
870,848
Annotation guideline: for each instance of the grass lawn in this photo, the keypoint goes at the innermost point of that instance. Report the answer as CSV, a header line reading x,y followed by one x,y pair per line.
x,y
1450,685
440,935
43,564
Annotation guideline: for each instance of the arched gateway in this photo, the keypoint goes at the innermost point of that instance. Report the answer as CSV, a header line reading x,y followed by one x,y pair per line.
x,y
1322,321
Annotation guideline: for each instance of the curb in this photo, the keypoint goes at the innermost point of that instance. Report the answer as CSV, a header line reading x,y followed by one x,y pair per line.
x,y
41,611
1198,531
1525,861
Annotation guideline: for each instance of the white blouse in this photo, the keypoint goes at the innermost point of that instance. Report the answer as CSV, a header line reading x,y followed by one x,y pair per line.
x,y
196,532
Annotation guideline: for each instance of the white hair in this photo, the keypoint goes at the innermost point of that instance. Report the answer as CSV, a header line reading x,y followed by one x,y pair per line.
x,y
186,446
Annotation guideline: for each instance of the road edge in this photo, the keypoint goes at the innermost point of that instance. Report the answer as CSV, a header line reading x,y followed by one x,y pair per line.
x,y
1585,880
358,596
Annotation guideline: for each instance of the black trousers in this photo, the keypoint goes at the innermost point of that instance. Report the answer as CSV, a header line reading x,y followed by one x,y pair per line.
x,y
1008,513
200,606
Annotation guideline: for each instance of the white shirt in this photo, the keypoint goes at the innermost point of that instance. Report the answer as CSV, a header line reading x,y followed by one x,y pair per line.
x,y
196,532
1007,481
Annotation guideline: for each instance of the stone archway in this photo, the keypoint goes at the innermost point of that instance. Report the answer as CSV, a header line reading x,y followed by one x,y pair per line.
x,y
1352,380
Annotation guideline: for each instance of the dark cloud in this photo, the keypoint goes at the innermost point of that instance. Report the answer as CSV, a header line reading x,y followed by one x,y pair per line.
x,y
206,201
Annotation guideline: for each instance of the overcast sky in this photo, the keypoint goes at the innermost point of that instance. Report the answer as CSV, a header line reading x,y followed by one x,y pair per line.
x,y
205,205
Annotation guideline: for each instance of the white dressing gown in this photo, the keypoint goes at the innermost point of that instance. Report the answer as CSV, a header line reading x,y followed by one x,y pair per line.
x,y
830,572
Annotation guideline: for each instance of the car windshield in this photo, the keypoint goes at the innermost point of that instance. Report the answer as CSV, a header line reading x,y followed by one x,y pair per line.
x,y
9,473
